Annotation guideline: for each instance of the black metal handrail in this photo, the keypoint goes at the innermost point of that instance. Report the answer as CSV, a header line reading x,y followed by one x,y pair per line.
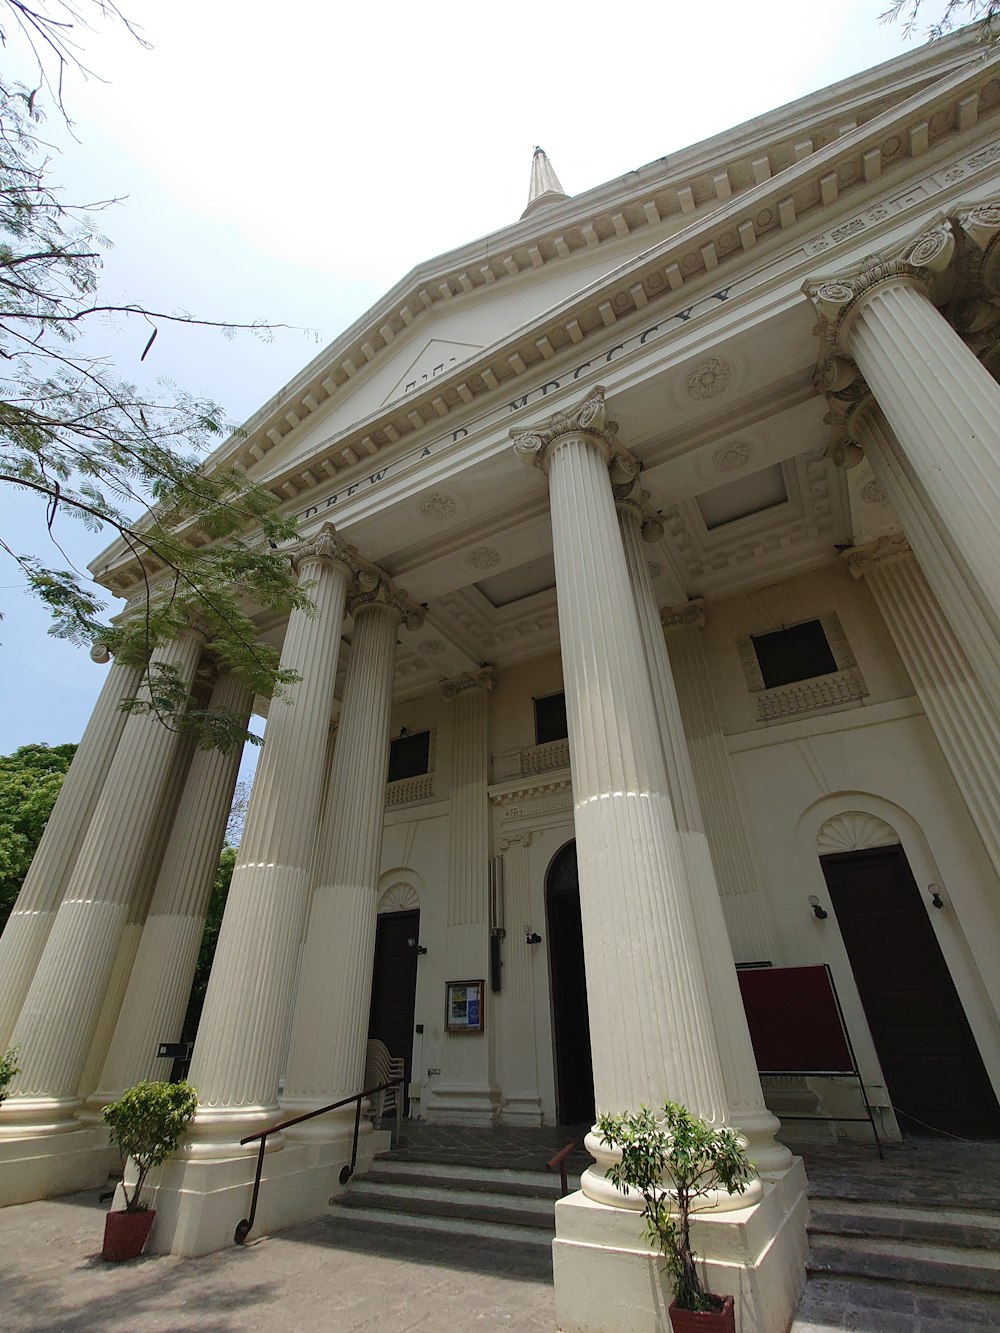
x,y
560,1161
245,1226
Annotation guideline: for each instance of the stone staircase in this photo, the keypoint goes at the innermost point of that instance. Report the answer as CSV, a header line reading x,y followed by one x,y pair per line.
x,y
901,1265
512,1207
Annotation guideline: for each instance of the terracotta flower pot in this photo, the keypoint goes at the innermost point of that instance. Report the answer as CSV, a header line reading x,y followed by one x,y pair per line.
x,y
125,1233
709,1321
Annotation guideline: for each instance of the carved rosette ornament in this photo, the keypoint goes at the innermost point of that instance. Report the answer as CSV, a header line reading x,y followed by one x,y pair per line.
x,y
534,447
484,679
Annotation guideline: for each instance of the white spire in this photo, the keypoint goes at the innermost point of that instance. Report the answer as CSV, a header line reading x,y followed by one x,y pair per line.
x,y
544,188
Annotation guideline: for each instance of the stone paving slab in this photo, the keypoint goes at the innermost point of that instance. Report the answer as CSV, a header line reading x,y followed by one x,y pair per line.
x,y
327,1275
834,1304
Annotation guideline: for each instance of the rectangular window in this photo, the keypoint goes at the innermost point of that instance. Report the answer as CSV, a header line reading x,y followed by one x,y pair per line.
x,y
798,653
550,719
409,756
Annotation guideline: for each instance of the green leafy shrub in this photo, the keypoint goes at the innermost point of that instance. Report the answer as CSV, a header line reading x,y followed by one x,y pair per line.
x,y
673,1159
146,1123
9,1069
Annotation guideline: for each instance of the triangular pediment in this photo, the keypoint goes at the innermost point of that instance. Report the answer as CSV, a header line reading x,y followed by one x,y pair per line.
x,y
437,356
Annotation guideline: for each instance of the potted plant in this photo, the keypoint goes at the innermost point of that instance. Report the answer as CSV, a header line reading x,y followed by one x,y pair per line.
x,y
146,1123
9,1070
673,1160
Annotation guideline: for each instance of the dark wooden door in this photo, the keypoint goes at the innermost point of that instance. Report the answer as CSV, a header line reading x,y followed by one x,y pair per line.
x,y
930,1060
574,1068
394,983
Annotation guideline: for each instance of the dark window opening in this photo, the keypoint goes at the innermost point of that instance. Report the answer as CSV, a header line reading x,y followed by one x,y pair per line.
x,y
550,719
798,653
409,756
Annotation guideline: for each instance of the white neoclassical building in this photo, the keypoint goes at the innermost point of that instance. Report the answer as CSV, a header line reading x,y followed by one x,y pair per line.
x,y
653,542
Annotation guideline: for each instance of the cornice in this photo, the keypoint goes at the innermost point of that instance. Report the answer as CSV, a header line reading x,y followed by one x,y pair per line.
x,y
659,282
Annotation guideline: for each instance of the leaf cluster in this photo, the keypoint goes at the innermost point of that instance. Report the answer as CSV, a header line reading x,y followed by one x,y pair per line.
x,y
30,781
9,1069
954,14
674,1159
146,1124
203,543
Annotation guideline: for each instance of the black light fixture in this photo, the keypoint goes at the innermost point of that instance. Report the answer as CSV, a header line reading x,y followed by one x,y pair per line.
x,y
820,913
417,948
531,936
402,732
935,891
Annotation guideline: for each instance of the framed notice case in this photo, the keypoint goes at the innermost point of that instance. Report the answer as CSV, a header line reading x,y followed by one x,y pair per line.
x,y
463,1010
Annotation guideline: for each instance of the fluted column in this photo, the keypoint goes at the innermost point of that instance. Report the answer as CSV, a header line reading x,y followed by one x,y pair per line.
x,y
743,904
41,893
975,625
652,1037
522,1104
465,1093
963,715
941,402
739,1069
160,980
60,1012
240,1044
330,1023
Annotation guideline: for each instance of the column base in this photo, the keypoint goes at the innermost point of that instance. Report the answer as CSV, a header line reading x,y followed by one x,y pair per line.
x,y
461,1104
43,1165
608,1280
199,1200
522,1109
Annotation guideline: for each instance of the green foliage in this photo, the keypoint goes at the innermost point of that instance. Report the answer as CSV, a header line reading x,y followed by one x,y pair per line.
x,y
209,939
9,1069
674,1159
195,542
30,780
146,1123
951,14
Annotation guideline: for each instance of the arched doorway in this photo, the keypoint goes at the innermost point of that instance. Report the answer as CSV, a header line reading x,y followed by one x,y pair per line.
x,y
394,975
933,1069
568,977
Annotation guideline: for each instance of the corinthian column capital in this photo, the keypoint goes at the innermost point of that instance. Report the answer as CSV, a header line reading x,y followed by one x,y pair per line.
x,y
590,420
688,613
485,679
861,560
982,227
924,263
372,587
326,545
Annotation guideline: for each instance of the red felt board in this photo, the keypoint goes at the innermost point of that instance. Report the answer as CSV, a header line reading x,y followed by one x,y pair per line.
x,y
794,1020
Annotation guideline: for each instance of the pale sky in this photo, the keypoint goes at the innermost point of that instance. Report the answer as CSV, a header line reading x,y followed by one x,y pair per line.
x,y
293,162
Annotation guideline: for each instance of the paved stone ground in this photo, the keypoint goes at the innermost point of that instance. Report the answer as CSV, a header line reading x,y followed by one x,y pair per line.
x,y
341,1274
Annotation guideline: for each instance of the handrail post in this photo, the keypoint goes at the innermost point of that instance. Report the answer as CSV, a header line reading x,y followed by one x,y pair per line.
x,y
244,1227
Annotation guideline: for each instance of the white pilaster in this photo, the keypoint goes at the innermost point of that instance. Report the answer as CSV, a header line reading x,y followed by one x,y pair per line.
x,y
743,905
34,912
240,1045
330,1024
160,979
465,1093
63,1004
739,1070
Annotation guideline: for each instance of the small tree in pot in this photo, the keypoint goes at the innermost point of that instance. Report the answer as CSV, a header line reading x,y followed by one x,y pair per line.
x,y
673,1160
146,1123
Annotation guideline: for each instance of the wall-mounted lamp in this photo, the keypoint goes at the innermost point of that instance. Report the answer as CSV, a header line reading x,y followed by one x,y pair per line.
x,y
417,948
820,913
531,936
402,732
935,891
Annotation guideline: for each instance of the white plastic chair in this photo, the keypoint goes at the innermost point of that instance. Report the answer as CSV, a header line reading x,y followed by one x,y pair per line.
x,y
380,1066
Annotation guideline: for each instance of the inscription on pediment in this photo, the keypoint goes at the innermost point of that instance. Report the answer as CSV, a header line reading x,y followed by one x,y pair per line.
x,y
437,357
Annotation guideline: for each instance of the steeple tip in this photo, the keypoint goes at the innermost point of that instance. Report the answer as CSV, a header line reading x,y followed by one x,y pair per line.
x,y
544,188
